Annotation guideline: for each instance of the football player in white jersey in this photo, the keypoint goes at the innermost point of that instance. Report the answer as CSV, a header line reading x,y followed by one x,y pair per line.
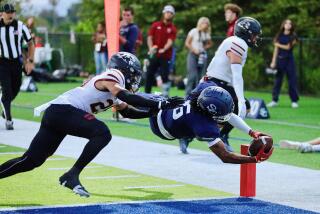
x,y
226,67
71,114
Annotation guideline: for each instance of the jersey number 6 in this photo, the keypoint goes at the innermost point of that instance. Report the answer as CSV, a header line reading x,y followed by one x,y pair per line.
x,y
178,112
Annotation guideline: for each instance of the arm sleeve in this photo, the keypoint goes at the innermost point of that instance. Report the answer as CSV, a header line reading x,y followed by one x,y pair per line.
x,y
134,113
237,81
240,124
26,33
137,100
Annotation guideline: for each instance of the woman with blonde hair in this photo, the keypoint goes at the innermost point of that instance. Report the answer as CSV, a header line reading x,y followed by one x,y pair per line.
x,y
198,42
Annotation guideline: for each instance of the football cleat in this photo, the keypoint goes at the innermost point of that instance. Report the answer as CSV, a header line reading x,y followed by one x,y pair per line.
x,y
225,140
9,125
72,182
183,143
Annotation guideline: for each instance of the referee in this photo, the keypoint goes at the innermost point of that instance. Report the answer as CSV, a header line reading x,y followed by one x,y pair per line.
x,y
12,32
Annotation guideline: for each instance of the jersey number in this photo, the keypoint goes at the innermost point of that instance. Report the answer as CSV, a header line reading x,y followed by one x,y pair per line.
x,y
100,106
178,112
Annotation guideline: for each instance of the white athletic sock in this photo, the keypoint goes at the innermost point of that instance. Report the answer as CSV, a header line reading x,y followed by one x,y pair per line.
x,y
316,148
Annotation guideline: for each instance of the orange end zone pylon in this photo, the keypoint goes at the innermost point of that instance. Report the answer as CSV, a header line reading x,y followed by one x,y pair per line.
x,y
112,18
247,176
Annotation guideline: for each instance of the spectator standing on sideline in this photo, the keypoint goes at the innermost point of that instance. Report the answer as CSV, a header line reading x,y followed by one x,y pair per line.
x,y
160,40
231,13
12,33
283,61
100,48
129,31
198,42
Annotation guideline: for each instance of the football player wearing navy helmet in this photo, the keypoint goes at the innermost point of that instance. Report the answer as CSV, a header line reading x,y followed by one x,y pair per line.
x,y
199,118
72,114
216,103
130,66
248,29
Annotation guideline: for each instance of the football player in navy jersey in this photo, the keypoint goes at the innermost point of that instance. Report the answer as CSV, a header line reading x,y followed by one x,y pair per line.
x,y
72,114
199,117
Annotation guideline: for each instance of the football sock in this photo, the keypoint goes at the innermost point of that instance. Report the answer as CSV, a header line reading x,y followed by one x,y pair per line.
x,y
316,148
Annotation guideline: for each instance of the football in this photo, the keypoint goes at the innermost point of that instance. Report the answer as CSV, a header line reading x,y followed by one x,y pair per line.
x,y
256,145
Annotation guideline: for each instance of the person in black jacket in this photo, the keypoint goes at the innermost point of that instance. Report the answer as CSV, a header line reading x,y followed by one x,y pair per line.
x,y
12,33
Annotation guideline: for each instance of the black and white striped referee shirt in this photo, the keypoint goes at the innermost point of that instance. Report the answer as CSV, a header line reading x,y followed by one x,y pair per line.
x,y
11,39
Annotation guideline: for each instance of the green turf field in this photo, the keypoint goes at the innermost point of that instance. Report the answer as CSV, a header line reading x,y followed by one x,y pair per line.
x,y
40,187
300,124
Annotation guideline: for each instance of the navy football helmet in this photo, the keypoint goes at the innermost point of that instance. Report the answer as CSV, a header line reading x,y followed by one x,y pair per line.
x,y
248,29
130,67
216,102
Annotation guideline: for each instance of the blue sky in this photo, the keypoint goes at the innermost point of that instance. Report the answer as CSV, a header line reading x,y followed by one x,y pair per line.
x,y
32,7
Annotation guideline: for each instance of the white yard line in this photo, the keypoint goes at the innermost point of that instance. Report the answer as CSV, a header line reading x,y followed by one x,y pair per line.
x,y
154,187
11,153
56,159
300,125
111,177
67,168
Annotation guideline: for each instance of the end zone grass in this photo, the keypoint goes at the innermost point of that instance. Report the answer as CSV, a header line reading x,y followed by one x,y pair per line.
x,y
40,187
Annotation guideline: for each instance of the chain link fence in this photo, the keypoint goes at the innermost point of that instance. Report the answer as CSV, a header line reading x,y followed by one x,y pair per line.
x,y
306,57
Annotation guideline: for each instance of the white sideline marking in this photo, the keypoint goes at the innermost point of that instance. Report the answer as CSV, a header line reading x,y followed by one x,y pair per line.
x,y
66,168
112,203
111,177
154,187
11,153
56,159
288,124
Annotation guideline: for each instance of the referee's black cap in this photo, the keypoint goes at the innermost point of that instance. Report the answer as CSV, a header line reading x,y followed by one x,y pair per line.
x,y
8,8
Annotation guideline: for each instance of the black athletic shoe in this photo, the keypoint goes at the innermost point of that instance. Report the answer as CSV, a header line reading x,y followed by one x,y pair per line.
x,y
72,182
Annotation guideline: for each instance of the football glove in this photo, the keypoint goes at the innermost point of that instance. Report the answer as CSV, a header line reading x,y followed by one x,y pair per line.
x,y
261,156
171,102
256,134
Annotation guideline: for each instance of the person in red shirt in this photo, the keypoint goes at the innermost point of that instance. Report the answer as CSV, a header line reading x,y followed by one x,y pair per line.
x,y
231,13
161,36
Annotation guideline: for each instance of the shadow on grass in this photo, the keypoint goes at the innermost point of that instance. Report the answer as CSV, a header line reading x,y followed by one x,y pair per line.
x,y
18,205
151,195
